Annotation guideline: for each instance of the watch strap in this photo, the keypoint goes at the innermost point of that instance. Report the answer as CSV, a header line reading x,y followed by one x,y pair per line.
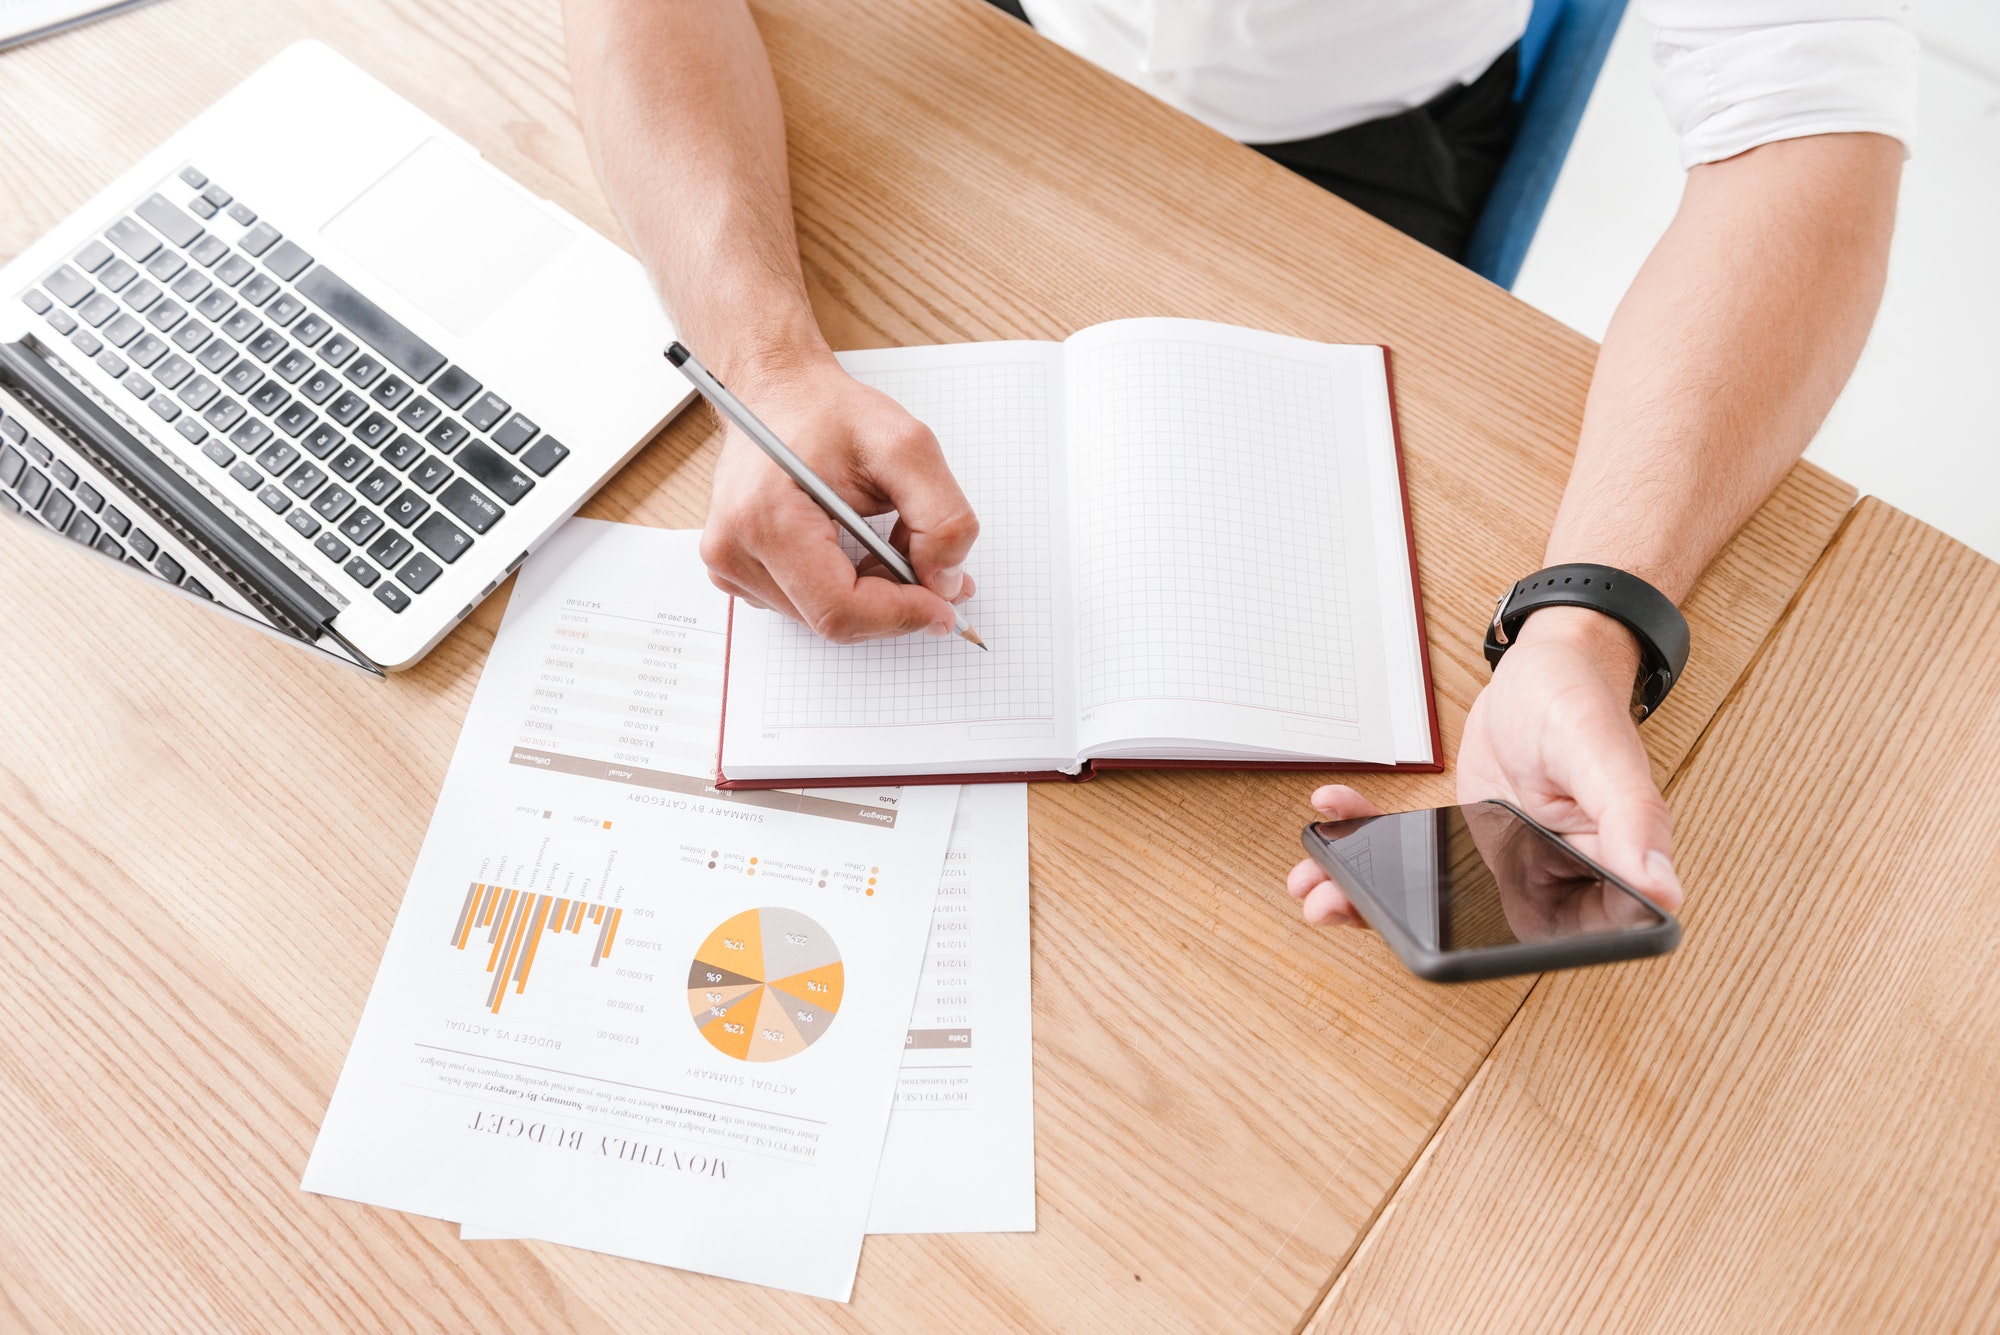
x,y
1650,615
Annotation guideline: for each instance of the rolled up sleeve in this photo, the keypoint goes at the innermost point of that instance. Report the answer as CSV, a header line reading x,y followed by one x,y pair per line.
x,y
1738,73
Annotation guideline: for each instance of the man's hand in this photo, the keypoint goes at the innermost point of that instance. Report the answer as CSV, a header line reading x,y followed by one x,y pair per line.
x,y
1552,734
766,542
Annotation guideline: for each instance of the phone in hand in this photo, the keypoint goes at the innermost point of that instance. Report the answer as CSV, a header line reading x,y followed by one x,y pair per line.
x,y
1482,891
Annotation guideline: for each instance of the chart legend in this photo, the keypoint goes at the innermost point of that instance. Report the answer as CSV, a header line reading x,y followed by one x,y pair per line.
x,y
765,985
516,921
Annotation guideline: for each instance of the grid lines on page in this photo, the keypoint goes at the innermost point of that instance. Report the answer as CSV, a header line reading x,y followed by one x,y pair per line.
x,y
1209,536
992,422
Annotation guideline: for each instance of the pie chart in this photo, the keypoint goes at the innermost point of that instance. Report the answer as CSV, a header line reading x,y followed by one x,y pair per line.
x,y
765,985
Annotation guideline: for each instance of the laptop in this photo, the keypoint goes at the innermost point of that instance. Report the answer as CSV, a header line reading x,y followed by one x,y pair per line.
x,y
335,376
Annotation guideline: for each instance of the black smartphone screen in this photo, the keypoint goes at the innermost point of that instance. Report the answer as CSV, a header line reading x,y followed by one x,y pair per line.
x,y
1477,877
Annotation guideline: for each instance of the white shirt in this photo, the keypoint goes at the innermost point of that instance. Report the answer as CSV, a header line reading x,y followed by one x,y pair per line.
x,y
1733,73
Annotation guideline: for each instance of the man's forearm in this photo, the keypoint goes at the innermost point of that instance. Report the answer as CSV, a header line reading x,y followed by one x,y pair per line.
x,y
682,117
1727,352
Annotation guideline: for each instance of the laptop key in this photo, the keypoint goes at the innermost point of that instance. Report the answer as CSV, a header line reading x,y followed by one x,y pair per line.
x,y
67,285
208,250
56,508
62,320
92,257
274,500
245,476
379,485
443,538
195,587
114,276
194,179
166,315
165,265
216,356
389,549
192,285
429,475
250,436
295,419
242,213
287,261
232,270
454,387
198,392
278,458
172,223
33,487
190,336
266,345
311,329
219,453
391,391
241,326
474,509
447,435
361,525
147,350
142,294
418,413
97,310
332,504
347,407
109,546
483,414
304,480
259,238
37,301
65,475
332,548
110,363
258,289
543,455
401,452
133,239
88,497
173,373
217,305
321,441
83,529
143,545
371,324
319,386
373,430
364,370
243,377
13,429
407,508
170,569
114,520
418,572
495,472
269,396
163,407
291,366
392,598
122,331
138,387
86,342
12,465
349,463
361,572
336,350
301,522
284,310
192,429
515,432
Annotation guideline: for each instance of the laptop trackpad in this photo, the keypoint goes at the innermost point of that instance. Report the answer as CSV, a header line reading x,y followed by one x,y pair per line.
x,y
449,234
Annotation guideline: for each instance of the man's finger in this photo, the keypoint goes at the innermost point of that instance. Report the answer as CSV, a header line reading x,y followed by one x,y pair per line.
x,y
934,523
1336,801
845,606
1611,782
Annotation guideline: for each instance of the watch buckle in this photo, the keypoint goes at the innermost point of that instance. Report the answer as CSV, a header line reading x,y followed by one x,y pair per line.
x,y
1497,632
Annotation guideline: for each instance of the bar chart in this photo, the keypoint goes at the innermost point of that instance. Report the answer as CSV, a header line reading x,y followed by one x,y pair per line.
x,y
515,921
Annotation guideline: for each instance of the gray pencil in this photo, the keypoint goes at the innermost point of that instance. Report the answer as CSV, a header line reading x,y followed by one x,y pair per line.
x,y
738,414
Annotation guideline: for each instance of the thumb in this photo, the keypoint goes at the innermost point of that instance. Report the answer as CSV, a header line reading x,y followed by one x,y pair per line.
x,y
1635,829
934,521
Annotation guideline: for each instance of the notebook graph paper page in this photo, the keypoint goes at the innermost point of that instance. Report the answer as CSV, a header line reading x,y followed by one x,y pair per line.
x,y
925,702
1222,531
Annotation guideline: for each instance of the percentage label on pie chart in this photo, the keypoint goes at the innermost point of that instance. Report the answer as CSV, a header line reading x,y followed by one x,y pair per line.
x,y
765,985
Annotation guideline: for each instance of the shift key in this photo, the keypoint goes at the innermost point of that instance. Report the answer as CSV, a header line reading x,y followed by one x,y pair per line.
x,y
474,509
494,469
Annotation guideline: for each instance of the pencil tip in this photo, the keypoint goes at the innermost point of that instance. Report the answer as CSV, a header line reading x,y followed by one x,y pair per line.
x,y
972,636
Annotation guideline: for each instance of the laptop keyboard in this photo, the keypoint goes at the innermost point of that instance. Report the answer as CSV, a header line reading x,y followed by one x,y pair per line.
x,y
36,482
300,391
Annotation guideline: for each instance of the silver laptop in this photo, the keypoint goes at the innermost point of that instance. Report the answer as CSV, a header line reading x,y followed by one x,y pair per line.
x,y
335,375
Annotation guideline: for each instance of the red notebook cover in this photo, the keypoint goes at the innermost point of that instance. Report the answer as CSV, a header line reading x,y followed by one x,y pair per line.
x,y
1090,767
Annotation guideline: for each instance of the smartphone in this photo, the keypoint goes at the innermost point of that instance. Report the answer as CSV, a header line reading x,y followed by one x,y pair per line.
x,y
1482,891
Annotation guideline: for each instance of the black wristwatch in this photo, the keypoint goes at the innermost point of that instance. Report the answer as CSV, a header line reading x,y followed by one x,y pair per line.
x,y
1650,615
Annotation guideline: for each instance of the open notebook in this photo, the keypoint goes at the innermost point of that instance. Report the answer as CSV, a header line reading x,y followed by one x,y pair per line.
x,y
1193,549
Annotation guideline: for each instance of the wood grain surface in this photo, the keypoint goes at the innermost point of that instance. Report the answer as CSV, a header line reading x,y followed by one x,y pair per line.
x,y
1793,1122
204,836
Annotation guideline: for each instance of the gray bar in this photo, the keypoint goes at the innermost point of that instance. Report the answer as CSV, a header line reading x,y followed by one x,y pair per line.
x,y
938,1038
775,799
500,969
471,898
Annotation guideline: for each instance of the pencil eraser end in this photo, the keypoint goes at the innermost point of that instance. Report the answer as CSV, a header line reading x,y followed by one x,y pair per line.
x,y
677,354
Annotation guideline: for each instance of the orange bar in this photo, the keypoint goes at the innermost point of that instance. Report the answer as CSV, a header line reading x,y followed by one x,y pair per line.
x,y
576,916
500,940
472,915
597,913
555,922
514,948
611,933
486,905
534,940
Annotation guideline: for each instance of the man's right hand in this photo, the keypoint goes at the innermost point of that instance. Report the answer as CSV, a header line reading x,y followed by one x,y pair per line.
x,y
767,543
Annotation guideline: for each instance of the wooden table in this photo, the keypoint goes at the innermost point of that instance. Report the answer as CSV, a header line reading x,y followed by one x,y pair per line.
x,y
204,836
